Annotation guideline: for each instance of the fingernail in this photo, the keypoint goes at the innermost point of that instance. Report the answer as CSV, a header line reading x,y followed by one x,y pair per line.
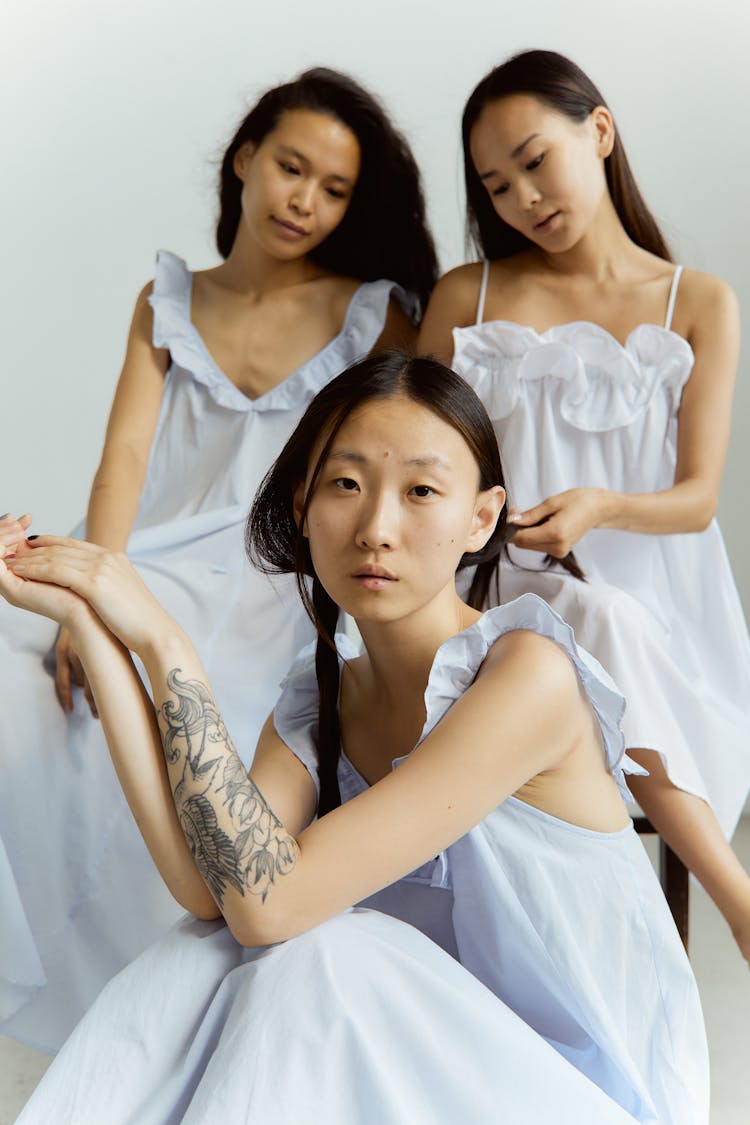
x,y
30,538
4,516
515,518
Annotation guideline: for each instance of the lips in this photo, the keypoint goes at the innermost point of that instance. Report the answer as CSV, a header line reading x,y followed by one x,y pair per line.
x,y
289,226
543,223
370,571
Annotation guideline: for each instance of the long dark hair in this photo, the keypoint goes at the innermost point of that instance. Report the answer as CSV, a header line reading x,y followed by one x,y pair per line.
x,y
559,83
275,542
384,233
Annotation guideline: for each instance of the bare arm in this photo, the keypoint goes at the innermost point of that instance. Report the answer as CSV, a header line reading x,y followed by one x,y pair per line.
x,y
118,483
272,882
272,876
398,331
453,304
129,723
116,491
710,307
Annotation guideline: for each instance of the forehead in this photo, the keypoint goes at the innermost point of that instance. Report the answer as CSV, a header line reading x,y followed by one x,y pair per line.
x,y
507,122
400,430
319,138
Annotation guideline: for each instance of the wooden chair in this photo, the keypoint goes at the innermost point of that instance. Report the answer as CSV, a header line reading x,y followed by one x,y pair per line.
x,y
674,877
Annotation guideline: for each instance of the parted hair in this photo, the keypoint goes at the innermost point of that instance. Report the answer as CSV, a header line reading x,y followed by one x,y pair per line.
x,y
562,85
384,232
274,539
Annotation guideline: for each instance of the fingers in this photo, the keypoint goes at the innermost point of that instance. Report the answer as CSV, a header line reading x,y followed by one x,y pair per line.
x,y
12,532
89,697
65,562
79,678
533,539
63,688
534,515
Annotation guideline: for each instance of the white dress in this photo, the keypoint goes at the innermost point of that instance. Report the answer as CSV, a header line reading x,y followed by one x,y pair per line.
x,y
562,992
78,875
572,407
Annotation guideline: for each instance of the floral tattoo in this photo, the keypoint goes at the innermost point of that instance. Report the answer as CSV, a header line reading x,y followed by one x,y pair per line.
x,y
235,837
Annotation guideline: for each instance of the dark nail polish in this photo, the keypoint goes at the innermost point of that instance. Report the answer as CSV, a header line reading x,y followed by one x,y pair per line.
x,y
5,516
30,537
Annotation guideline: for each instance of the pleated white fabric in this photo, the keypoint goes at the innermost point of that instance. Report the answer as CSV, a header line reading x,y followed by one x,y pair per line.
x,y
77,875
572,407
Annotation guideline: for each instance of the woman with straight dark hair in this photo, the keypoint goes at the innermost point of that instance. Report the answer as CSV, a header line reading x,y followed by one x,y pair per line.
x,y
608,373
457,778
326,255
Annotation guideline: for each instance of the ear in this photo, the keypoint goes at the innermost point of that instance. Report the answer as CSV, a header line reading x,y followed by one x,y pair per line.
x,y
242,158
604,130
488,507
298,504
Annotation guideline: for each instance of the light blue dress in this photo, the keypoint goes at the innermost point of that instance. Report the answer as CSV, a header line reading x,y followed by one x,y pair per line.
x,y
561,992
76,874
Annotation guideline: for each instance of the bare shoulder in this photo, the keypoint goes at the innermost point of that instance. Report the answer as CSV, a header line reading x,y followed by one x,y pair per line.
x,y
339,291
453,304
704,302
142,323
458,291
539,665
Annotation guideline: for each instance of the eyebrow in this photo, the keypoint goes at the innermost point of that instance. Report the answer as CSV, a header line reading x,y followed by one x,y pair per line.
x,y
306,160
428,460
514,155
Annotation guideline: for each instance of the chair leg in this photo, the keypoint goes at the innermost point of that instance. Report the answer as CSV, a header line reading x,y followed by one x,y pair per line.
x,y
675,881
674,877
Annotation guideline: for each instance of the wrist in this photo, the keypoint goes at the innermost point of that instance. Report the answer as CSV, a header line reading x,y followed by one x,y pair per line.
x,y
82,622
608,508
165,645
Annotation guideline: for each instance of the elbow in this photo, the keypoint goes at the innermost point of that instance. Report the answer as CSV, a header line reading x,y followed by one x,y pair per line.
x,y
705,511
255,928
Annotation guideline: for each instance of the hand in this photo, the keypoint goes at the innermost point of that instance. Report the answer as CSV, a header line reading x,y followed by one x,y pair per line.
x,y
558,523
44,598
69,671
103,580
12,533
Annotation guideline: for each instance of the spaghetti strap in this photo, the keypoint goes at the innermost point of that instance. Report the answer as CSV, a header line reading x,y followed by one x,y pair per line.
x,y
672,297
483,290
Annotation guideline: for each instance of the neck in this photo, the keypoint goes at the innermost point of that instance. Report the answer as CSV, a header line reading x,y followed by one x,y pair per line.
x,y
252,271
602,251
400,653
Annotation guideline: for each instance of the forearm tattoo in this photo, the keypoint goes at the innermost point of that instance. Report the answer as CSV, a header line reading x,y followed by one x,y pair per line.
x,y
235,837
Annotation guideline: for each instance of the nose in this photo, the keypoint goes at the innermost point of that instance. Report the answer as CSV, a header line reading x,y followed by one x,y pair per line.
x,y
528,195
376,530
301,200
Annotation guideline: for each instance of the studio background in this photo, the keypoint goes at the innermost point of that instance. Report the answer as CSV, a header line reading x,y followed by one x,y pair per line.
x,y
114,116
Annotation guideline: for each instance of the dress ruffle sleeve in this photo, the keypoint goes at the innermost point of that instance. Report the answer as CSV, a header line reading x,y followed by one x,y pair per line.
x,y
461,656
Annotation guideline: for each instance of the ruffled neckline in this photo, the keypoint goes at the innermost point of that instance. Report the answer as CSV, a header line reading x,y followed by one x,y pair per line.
x,y
171,302
602,383
572,330
459,658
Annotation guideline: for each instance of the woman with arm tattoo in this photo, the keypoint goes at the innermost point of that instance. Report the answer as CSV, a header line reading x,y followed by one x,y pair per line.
x,y
608,373
459,774
324,244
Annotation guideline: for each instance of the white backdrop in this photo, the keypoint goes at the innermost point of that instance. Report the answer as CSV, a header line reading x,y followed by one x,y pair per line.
x,y
115,113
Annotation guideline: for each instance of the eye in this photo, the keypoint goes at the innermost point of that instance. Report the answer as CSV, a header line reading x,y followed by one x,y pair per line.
x,y
423,491
290,169
500,190
535,162
335,194
346,484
